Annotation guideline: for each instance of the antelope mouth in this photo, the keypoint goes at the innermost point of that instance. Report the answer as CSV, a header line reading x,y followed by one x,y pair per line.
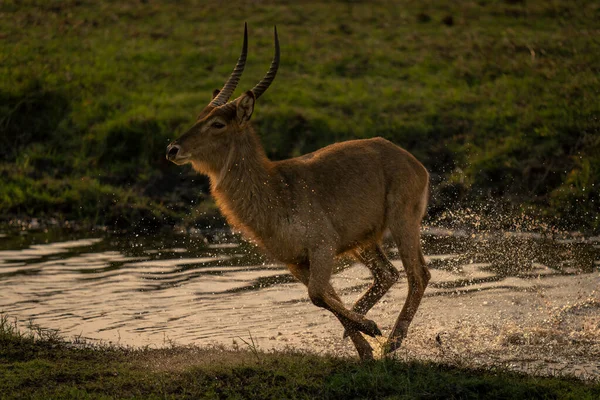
x,y
175,155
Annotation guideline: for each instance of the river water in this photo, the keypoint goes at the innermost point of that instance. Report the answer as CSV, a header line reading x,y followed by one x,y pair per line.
x,y
520,300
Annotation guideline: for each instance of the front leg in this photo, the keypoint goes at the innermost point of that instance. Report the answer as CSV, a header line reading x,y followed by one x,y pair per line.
x,y
364,349
384,276
322,294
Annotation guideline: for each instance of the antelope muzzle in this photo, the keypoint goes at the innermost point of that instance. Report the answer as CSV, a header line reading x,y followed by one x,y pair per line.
x,y
176,154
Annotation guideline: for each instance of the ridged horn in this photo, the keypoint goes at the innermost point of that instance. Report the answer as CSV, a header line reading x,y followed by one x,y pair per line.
x,y
264,84
233,80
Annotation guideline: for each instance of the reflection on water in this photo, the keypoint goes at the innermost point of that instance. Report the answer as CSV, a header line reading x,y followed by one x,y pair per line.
x,y
485,289
132,289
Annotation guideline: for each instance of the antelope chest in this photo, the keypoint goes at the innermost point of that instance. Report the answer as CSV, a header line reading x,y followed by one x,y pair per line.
x,y
288,242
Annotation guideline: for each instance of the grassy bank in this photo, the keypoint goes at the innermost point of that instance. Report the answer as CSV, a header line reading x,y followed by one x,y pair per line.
x,y
499,99
39,364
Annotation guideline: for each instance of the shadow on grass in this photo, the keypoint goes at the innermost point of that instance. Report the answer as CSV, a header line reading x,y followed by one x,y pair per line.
x,y
40,364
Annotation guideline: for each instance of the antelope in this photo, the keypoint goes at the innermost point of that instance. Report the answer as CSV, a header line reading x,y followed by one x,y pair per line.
x,y
307,210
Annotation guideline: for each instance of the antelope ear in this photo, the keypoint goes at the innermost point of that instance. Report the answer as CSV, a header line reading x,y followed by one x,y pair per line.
x,y
245,107
215,93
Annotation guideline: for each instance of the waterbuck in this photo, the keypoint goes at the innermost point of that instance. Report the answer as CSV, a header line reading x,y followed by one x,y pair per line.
x,y
307,210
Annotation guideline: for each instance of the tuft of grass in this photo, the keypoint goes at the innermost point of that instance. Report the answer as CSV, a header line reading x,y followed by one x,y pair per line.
x,y
34,365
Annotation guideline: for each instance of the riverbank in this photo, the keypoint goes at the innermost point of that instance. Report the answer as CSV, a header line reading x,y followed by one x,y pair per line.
x,y
513,301
40,364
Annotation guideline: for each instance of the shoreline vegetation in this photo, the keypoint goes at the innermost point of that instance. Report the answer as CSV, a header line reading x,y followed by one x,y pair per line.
x,y
39,363
499,100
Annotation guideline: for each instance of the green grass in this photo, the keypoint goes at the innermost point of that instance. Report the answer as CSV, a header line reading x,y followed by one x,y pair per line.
x,y
40,365
499,99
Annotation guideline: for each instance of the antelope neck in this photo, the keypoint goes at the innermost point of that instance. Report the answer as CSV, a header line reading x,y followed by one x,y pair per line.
x,y
244,188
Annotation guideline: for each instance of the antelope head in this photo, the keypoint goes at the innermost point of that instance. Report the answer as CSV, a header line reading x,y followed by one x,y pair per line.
x,y
221,122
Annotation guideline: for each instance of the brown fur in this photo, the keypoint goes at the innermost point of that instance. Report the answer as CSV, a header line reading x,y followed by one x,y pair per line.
x,y
306,210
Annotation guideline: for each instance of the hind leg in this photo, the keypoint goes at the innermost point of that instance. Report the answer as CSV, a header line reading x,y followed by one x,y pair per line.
x,y
407,236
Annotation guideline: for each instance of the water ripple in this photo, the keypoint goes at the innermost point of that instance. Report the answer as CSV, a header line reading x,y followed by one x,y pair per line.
x,y
145,291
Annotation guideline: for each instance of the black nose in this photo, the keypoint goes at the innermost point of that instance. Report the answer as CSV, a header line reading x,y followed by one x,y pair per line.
x,y
172,151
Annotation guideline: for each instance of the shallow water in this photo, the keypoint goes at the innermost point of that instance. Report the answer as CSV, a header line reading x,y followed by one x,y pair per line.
x,y
511,298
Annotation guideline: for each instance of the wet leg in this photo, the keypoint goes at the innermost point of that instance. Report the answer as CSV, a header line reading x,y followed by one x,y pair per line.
x,y
408,240
364,349
319,291
384,276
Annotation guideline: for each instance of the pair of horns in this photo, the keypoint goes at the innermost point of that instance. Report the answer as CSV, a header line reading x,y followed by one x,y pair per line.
x,y
233,80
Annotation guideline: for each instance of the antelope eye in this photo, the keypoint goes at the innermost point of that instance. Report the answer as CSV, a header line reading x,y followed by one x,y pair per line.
x,y
217,125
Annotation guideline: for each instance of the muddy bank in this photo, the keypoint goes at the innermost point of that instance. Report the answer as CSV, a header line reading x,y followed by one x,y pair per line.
x,y
510,299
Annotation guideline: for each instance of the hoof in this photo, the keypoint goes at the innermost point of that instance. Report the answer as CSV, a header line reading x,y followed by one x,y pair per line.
x,y
392,345
370,328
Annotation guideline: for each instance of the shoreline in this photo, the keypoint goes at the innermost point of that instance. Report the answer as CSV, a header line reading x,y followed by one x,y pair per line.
x,y
63,370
